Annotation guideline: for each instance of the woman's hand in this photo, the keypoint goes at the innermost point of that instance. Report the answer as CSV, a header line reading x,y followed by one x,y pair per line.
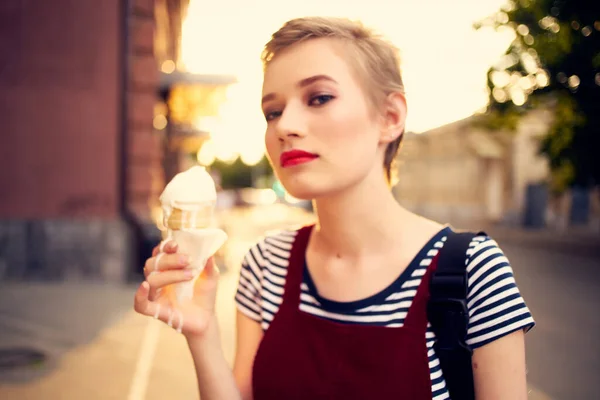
x,y
155,298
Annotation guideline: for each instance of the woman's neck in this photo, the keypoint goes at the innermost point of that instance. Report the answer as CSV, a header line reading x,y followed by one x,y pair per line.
x,y
360,220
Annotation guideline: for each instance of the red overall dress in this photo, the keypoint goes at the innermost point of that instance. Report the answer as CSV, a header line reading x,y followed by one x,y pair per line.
x,y
303,356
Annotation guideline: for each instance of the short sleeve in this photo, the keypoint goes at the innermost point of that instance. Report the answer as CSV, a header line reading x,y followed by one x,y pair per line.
x,y
248,297
495,305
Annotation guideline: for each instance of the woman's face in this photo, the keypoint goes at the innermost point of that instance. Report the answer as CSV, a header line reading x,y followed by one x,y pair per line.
x,y
322,134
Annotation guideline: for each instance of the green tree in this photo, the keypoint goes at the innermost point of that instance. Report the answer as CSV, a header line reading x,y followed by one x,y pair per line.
x,y
237,175
553,62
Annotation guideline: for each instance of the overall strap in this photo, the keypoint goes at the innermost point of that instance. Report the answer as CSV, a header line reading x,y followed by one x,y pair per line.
x,y
449,317
295,269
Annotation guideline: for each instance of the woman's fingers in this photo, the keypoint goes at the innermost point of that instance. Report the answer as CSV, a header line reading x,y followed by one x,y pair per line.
x,y
165,257
158,281
158,310
144,305
166,246
165,261
141,303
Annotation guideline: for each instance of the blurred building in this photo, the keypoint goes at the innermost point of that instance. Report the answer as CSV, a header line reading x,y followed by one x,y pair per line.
x,y
80,160
461,173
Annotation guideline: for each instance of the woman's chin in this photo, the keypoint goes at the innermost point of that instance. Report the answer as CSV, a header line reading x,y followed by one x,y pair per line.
x,y
308,187
301,193
301,190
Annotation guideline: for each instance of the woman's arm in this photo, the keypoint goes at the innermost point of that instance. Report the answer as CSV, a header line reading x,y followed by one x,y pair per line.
x,y
215,380
249,336
498,320
499,369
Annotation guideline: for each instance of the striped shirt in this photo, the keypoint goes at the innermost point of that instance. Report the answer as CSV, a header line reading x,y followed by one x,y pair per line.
x,y
495,305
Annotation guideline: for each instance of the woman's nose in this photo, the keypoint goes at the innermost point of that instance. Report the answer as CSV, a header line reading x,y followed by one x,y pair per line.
x,y
291,123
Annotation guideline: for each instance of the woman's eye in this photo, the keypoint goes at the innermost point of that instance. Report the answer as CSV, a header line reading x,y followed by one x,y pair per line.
x,y
269,116
320,99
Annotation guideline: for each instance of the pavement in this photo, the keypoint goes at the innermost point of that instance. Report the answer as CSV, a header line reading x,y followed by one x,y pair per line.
x,y
104,364
97,347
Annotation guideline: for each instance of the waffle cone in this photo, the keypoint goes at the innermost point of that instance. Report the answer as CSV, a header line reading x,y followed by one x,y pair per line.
x,y
187,219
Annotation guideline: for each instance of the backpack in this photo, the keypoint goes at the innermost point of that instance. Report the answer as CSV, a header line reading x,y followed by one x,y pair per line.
x,y
449,317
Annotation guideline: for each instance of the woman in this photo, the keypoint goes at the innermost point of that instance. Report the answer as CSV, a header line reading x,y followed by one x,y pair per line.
x,y
336,310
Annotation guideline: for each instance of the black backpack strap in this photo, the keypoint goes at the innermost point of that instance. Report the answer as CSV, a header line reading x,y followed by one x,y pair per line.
x,y
449,317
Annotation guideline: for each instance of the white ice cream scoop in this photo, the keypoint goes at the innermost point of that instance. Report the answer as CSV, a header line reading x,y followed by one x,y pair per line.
x,y
189,189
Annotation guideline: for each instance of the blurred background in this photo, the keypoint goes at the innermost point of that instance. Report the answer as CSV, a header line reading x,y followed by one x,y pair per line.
x,y
103,102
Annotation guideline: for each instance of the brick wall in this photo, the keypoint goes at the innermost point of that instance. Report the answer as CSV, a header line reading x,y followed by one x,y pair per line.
x,y
144,169
60,151
59,109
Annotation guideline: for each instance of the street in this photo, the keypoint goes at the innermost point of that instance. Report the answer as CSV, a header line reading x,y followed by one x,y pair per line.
x,y
563,293
103,350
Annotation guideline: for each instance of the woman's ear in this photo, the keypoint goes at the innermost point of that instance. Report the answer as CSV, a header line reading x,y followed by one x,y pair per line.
x,y
393,117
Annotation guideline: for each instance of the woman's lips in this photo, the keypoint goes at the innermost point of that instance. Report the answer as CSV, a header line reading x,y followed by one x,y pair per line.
x,y
296,157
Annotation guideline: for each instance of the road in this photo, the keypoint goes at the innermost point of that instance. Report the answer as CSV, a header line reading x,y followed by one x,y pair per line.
x,y
110,352
563,293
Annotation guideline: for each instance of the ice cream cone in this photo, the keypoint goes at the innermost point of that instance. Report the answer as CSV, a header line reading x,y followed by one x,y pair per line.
x,y
188,203
198,218
200,245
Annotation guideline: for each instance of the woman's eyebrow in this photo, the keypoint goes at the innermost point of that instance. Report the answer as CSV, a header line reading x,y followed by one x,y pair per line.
x,y
302,83
315,78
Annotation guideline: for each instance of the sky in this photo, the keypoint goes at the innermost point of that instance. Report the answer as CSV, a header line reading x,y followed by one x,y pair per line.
x,y
444,60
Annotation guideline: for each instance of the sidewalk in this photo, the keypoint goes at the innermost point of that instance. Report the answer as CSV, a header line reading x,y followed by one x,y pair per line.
x,y
128,357
56,317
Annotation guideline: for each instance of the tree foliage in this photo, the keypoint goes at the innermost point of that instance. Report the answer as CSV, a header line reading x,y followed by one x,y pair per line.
x,y
237,175
553,62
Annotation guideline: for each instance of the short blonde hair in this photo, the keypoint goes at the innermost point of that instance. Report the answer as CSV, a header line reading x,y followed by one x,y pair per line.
x,y
375,60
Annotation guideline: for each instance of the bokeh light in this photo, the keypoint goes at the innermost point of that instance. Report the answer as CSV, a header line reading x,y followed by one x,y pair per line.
x,y
574,81
542,78
500,95
518,96
207,153
523,30
586,31
168,67
159,122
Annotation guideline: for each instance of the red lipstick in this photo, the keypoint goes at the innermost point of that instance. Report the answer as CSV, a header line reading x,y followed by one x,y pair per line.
x,y
295,157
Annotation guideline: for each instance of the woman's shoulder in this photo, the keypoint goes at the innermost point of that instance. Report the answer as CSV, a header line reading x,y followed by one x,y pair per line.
x,y
281,238
484,253
496,307
486,263
272,249
263,272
